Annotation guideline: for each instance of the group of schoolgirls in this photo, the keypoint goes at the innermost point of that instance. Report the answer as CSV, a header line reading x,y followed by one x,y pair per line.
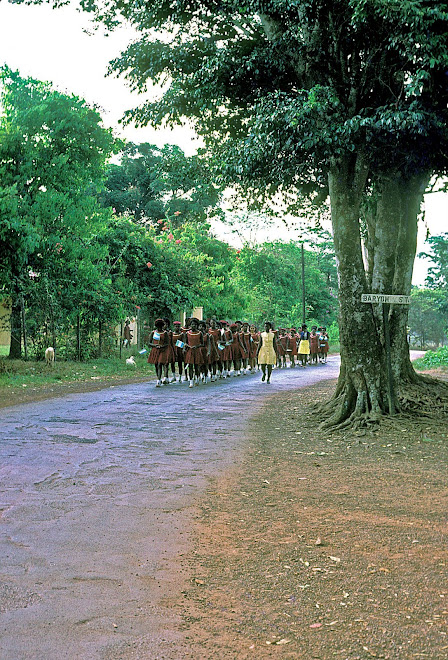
x,y
202,349
213,349
310,347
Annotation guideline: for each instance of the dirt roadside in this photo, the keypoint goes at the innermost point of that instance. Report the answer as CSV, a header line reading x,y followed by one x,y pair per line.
x,y
323,545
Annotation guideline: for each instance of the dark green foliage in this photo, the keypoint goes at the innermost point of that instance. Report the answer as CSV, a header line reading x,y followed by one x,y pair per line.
x,y
438,253
279,88
53,150
428,317
272,274
151,183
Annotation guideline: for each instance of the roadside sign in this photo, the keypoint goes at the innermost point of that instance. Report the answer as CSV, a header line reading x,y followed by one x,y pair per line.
x,y
382,298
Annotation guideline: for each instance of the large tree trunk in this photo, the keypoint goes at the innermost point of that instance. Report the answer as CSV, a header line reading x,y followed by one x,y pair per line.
x,y
366,389
394,247
362,381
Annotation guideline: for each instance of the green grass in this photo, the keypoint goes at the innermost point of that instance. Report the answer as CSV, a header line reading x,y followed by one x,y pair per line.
x,y
334,348
19,373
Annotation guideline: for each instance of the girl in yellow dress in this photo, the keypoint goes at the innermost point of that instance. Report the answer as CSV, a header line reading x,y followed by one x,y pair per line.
x,y
267,351
304,346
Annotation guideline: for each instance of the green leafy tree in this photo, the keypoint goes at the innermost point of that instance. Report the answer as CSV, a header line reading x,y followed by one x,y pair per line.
x,y
216,289
311,97
152,183
271,274
159,276
69,283
428,316
53,150
438,253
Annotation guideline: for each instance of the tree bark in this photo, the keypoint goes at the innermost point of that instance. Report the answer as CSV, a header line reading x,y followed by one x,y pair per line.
x,y
395,244
411,193
361,387
365,381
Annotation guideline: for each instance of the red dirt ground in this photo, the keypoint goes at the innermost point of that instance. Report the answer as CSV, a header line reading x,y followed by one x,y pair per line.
x,y
324,545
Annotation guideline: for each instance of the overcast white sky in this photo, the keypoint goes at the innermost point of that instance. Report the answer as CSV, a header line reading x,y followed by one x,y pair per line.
x,y
51,45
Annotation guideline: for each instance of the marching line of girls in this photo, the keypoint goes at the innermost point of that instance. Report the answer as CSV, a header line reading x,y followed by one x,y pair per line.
x,y
217,349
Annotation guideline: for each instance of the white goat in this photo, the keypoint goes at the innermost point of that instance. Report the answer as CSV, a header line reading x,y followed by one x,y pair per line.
x,y
49,356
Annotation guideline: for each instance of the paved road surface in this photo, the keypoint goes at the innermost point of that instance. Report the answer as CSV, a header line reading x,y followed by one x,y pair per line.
x,y
97,495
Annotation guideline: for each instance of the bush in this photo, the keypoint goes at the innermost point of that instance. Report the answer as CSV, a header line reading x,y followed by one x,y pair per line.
x,y
434,359
333,333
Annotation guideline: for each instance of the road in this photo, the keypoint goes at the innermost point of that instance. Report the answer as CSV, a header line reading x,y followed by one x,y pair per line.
x,y
97,499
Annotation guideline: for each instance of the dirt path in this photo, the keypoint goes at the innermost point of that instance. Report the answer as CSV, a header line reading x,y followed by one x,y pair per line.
x,y
324,545
98,504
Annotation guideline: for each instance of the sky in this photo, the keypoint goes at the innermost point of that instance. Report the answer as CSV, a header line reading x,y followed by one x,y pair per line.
x,y
52,45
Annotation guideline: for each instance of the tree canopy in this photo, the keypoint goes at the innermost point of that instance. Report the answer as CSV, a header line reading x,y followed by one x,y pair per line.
x,y
150,183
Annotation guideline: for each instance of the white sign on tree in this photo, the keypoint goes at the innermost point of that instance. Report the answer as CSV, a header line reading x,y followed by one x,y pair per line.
x,y
382,298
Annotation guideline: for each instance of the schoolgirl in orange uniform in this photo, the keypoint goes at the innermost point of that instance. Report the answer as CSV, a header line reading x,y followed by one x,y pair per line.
x,y
227,353
161,353
245,340
193,357
314,345
283,345
172,360
215,357
177,350
292,347
254,343
280,349
236,349
324,345
205,350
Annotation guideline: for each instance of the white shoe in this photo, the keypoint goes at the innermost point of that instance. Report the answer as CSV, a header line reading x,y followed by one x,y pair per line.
x,y
173,379
159,383
191,384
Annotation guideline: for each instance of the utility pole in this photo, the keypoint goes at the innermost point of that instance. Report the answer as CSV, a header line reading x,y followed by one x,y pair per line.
x,y
303,287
